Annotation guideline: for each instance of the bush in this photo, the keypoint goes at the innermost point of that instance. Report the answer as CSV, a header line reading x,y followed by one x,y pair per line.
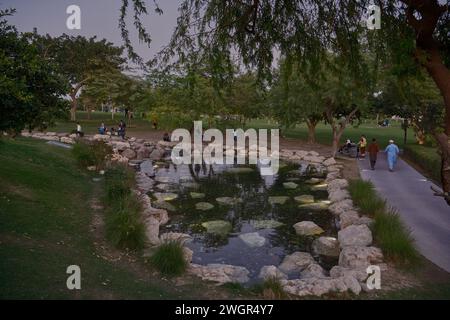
x,y
83,154
395,239
123,224
425,157
272,289
389,232
366,198
169,259
119,180
93,153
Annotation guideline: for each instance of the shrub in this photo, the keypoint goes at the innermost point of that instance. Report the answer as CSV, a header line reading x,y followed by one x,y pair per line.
x,y
169,259
366,198
83,154
119,180
395,239
123,224
389,232
272,289
425,157
93,153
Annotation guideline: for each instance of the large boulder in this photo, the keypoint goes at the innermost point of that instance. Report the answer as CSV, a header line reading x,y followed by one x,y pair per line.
x,y
220,273
143,182
359,274
271,272
355,235
329,162
152,230
129,153
143,152
348,218
314,270
357,257
337,208
296,262
252,239
156,154
338,195
307,228
326,246
337,184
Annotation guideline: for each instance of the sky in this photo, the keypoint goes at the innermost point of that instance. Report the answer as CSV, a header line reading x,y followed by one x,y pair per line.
x,y
98,17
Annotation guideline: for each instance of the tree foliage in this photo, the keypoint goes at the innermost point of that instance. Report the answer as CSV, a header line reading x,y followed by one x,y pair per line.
x,y
31,88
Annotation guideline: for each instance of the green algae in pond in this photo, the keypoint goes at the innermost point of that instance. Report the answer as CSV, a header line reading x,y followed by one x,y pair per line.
x,y
290,185
219,227
197,195
204,206
278,199
304,198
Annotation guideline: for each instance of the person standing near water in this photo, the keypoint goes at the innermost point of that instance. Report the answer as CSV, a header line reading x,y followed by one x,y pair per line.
x,y
373,150
392,152
362,146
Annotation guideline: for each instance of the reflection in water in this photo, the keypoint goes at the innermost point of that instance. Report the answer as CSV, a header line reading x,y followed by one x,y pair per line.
x,y
248,194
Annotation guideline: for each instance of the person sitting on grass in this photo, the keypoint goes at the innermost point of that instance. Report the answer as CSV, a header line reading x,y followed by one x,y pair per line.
x,y
102,129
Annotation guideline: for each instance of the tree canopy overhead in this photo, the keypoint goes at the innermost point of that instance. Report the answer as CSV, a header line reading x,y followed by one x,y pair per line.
x,y
217,31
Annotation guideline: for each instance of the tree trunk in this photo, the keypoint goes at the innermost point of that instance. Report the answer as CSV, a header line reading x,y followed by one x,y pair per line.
x,y
428,55
311,131
73,107
337,134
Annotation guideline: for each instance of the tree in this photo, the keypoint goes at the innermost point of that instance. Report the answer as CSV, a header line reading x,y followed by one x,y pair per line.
x,y
79,59
31,89
293,100
216,31
415,98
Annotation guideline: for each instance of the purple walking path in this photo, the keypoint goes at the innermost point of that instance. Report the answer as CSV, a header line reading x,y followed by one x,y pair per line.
x,y
427,216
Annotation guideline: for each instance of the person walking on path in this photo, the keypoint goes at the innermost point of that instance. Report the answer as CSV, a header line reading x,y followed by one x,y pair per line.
x,y
373,150
362,146
392,152
79,131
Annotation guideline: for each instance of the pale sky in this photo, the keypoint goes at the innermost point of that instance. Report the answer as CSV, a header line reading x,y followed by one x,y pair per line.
x,y
98,17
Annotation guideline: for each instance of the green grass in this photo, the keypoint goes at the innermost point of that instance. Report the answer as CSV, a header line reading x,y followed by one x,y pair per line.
x,y
390,233
168,259
90,126
45,222
92,153
124,227
324,136
394,239
271,289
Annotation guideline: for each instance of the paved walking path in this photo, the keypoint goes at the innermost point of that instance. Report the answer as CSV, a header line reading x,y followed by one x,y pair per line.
x,y
426,215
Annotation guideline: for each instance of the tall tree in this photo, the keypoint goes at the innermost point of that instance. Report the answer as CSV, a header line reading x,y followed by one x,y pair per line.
x,y
79,59
31,89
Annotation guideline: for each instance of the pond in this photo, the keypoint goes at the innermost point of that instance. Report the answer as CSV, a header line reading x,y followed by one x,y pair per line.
x,y
237,216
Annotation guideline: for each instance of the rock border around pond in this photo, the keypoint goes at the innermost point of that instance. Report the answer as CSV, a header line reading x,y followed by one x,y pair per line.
x,y
353,244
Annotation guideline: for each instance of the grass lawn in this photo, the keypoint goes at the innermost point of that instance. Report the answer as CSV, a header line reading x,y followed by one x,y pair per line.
x,y
45,223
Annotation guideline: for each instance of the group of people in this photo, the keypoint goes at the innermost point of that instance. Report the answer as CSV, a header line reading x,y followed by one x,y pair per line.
x,y
104,130
120,130
373,149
